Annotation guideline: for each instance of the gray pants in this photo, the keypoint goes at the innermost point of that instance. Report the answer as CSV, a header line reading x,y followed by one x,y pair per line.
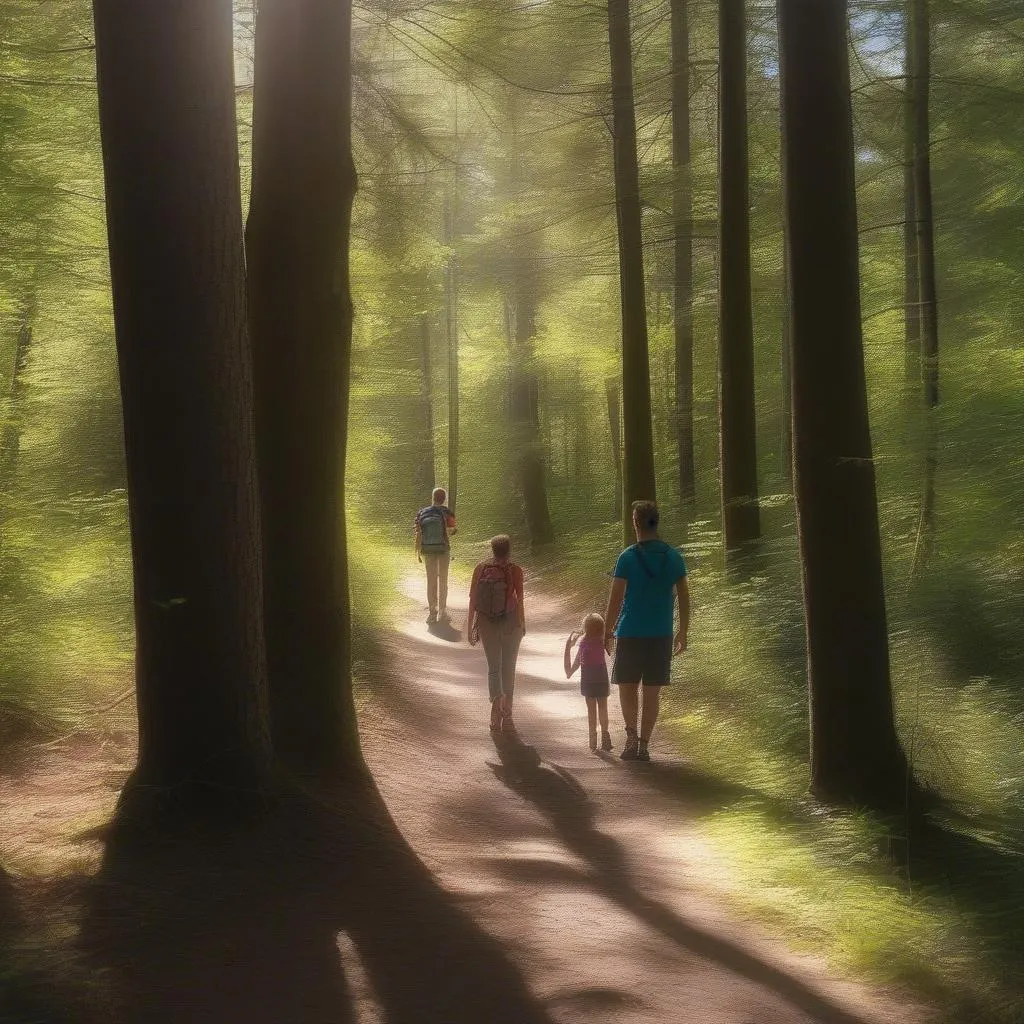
x,y
501,639
437,581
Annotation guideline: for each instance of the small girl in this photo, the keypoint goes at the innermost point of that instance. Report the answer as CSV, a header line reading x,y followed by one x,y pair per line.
x,y
593,675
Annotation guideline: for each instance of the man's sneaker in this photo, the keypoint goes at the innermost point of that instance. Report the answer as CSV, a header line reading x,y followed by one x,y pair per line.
x,y
630,750
606,741
593,741
444,618
508,728
431,618
642,753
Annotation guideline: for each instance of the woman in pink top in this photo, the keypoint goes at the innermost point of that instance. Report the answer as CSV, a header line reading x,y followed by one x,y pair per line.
x,y
497,617
593,668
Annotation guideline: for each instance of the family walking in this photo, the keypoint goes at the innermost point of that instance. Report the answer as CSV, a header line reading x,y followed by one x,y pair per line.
x,y
649,580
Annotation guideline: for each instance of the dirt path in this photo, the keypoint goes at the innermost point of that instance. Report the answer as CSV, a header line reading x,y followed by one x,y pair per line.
x,y
589,870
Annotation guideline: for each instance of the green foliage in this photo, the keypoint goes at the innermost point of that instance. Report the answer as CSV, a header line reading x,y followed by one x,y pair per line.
x,y
437,90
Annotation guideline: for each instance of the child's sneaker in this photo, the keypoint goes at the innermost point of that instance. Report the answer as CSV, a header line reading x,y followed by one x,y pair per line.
x,y
606,741
642,753
630,752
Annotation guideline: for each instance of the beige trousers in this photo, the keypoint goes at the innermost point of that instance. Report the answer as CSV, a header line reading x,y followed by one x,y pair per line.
x,y
437,581
501,639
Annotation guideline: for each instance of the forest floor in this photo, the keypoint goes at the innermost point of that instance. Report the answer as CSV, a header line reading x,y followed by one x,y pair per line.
x,y
590,872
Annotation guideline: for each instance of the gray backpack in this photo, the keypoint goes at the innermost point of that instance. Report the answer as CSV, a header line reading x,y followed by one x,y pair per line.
x,y
433,531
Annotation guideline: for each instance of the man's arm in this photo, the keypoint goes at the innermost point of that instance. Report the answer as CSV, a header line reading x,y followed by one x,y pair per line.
x,y
451,524
611,615
417,537
683,595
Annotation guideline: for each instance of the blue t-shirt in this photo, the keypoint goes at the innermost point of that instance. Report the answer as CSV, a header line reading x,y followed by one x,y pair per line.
x,y
651,570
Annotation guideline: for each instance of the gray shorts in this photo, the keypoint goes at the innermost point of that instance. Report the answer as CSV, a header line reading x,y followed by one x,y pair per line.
x,y
643,659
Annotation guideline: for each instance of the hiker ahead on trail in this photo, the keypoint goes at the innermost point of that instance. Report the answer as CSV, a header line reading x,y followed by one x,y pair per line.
x,y
497,618
433,526
648,576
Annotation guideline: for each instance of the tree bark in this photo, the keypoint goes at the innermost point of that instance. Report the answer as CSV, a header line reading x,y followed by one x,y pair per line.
x,y
737,414
855,752
521,301
786,397
428,472
451,331
911,283
300,306
615,429
174,221
638,442
682,220
921,80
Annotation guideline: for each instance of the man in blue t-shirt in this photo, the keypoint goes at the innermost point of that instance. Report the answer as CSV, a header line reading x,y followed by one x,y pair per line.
x,y
649,576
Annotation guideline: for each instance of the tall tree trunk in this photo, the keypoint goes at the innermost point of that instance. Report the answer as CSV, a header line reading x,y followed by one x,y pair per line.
x,y
911,282
786,396
174,222
615,429
855,753
521,300
921,81
428,473
300,306
737,414
638,442
451,332
524,406
682,221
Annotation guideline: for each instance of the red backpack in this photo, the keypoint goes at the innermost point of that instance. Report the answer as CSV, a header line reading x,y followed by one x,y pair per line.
x,y
493,590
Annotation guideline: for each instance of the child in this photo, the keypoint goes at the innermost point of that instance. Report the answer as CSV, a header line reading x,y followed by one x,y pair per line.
x,y
593,675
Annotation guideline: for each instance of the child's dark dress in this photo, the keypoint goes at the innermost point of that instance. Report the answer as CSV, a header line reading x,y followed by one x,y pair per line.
x,y
593,668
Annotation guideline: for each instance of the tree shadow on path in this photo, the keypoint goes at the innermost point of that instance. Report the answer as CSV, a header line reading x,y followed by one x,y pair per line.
x,y
213,924
563,800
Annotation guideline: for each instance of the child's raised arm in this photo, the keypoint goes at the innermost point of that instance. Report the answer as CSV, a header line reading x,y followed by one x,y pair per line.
x,y
570,664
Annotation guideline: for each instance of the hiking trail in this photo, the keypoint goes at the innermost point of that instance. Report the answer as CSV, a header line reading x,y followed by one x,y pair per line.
x,y
589,870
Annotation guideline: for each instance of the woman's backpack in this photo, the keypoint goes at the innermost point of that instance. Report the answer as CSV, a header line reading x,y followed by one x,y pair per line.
x,y
493,588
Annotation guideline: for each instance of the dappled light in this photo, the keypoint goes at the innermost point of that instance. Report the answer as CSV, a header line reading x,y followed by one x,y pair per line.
x,y
510,512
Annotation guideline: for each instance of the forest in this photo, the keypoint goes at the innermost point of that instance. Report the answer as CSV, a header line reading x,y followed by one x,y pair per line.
x,y
273,270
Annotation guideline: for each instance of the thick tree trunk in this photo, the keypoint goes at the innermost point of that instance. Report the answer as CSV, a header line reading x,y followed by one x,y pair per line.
x,y
615,429
920,81
682,220
524,409
855,753
521,301
428,472
737,415
451,333
167,122
638,442
300,306
911,283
